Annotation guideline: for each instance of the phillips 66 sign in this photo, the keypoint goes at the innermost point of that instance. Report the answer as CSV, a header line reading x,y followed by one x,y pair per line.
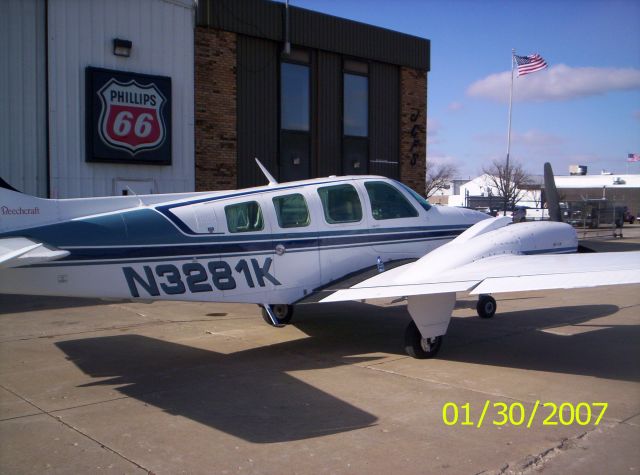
x,y
128,117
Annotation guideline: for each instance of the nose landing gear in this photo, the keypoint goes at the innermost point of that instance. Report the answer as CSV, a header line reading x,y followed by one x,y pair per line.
x,y
417,346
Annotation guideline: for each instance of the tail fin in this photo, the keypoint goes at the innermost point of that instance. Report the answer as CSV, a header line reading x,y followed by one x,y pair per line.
x,y
551,192
4,184
19,210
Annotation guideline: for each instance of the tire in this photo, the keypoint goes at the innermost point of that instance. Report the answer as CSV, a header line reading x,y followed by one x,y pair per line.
x,y
418,347
283,312
486,306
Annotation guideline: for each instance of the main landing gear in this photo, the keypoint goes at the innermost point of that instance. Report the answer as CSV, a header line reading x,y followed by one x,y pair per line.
x,y
486,306
418,347
277,315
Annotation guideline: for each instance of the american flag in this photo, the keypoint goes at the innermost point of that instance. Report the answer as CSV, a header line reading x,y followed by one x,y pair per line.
x,y
633,157
530,64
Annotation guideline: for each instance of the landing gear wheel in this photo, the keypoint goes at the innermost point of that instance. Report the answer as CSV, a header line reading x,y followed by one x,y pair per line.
x,y
418,347
283,312
486,306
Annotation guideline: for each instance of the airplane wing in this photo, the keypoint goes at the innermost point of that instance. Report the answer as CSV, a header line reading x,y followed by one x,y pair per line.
x,y
21,251
502,273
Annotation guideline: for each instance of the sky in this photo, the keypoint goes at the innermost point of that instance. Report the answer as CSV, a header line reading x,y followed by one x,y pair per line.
x,y
584,109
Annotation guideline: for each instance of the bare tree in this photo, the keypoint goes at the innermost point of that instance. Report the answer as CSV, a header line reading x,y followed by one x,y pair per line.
x,y
510,183
439,175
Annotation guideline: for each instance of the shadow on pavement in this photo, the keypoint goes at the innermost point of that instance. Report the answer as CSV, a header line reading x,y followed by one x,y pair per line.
x,y
517,339
247,394
252,395
13,303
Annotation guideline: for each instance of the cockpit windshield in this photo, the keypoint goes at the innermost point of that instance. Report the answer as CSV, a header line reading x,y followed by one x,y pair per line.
x,y
423,202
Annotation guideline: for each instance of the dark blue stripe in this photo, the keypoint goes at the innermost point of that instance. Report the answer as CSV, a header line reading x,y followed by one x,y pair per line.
x,y
62,263
557,250
218,248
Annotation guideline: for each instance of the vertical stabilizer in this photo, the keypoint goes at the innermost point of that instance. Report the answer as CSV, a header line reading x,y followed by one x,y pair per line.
x,y
551,192
7,186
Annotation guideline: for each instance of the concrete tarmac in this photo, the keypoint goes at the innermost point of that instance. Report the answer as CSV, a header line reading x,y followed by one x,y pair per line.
x,y
93,387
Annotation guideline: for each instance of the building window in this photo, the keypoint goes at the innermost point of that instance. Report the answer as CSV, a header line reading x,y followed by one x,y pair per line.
x,y
356,105
294,97
292,211
295,120
244,217
341,204
355,118
387,202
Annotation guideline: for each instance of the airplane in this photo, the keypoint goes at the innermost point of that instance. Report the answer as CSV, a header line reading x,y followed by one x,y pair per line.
x,y
286,244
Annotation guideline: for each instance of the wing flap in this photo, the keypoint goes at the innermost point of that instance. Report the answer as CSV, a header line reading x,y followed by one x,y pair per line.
x,y
21,251
557,281
379,292
503,273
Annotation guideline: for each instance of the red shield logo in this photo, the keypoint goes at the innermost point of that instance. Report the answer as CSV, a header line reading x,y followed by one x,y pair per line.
x,y
131,116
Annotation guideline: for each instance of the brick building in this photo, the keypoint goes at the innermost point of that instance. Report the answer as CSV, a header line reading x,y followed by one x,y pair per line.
x,y
307,93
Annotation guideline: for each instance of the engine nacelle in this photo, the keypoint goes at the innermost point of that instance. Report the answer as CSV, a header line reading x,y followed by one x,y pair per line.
x,y
494,237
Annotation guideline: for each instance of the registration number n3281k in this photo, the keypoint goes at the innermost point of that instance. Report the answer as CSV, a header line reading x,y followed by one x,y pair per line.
x,y
195,277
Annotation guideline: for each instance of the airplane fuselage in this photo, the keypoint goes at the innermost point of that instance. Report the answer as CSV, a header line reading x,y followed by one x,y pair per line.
x,y
272,244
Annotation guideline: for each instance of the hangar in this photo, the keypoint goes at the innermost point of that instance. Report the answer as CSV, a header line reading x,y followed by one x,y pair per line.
x,y
113,97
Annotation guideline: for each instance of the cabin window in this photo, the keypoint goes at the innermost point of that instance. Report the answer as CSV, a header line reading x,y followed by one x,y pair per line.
x,y
244,217
292,211
341,204
421,201
387,202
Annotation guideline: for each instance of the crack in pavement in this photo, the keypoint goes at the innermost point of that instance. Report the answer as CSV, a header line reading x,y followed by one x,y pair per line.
x,y
149,323
77,430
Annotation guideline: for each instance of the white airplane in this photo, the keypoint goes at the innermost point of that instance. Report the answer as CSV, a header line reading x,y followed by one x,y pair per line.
x,y
326,239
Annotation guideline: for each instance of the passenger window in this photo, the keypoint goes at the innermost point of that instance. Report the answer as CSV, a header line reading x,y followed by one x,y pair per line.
x,y
292,211
421,201
387,202
341,204
244,217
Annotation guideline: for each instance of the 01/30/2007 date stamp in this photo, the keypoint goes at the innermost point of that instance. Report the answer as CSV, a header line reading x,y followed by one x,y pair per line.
x,y
516,414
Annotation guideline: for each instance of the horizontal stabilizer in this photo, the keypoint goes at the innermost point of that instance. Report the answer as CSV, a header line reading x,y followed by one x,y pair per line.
x,y
21,251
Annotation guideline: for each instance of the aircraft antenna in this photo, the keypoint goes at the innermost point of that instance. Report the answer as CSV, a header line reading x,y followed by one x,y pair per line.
x,y
272,181
140,203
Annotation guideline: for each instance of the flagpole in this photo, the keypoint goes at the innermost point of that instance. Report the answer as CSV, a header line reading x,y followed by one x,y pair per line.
x,y
506,172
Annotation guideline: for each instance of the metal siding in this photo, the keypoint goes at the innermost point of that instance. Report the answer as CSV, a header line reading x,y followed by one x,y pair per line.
x,y
80,35
23,153
247,17
384,119
258,93
329,114
264,19
352,38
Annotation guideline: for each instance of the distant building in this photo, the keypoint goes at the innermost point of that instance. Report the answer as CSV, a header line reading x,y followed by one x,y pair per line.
x,y
480,193
619,189
577,169
441,197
